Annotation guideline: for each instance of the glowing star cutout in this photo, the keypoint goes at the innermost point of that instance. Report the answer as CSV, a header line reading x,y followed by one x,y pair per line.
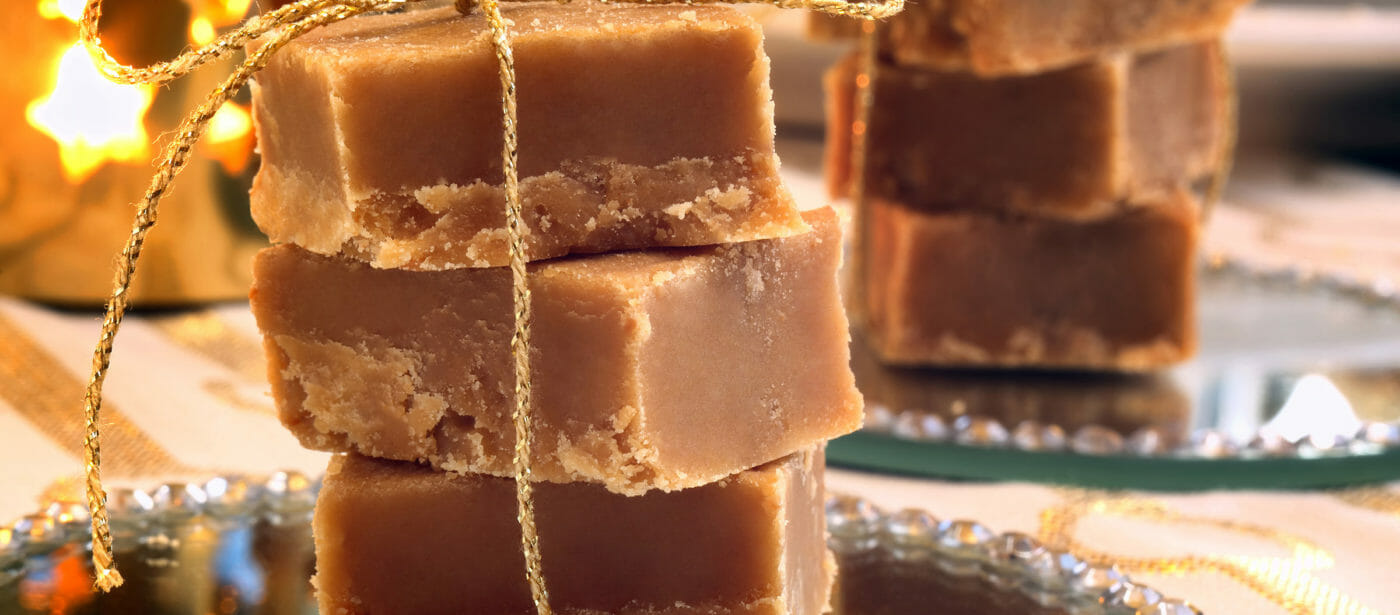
x,y
92,119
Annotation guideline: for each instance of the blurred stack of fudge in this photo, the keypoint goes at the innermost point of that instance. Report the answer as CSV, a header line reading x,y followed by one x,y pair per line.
x,y
689,354
1031,178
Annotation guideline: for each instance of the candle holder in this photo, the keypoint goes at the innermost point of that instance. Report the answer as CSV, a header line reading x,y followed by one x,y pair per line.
x,y
76,152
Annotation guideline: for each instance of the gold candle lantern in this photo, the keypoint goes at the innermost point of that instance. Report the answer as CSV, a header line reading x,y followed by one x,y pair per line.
x,y
76,153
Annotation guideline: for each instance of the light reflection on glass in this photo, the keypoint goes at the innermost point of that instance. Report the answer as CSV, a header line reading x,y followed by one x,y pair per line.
x,y
1315,409
199,566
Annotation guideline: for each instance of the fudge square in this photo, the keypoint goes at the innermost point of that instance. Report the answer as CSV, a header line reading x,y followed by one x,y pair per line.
x,y
394,537
988,289
658,369
639,127
1076,142
1004,37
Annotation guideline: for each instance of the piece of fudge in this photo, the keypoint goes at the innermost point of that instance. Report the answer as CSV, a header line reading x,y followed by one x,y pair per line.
x,y
988,289
394,537
1077,142
381,135
660,369
1008,37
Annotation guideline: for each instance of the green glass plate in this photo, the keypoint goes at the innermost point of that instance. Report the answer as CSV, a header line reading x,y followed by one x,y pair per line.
x,y
1297,385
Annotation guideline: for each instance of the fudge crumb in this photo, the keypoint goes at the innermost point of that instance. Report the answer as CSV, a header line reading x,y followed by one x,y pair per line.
x,y
679,210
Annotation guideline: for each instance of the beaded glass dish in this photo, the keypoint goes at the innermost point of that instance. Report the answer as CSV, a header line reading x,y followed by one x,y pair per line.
x,y
238,546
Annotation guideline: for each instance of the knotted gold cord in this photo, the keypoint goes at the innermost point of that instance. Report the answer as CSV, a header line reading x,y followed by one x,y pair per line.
x,y
520,292
277,28
282,26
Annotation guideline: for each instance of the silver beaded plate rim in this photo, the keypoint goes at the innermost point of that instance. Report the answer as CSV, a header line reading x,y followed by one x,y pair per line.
x,y
1372,438
1009,561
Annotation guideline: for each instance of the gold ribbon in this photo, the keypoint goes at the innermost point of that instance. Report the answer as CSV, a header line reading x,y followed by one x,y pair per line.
x,y
1288,582
277,28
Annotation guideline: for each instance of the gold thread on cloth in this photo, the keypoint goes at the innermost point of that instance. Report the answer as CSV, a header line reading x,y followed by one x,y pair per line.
x,y
1288,582
277,28
228,392
208,335
39,387
203,332
1378,499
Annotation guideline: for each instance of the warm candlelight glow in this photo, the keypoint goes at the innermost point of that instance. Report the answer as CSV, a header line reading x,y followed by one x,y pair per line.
x,y
221,12
210,15
72,10
92,119
230,137
202,31
80,150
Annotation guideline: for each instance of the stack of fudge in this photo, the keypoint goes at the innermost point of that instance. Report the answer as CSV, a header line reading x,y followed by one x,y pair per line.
x,y
1032,178
689,345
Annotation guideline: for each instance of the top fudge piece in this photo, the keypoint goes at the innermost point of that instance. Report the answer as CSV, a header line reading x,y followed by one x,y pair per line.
x,y
639,127
1006,37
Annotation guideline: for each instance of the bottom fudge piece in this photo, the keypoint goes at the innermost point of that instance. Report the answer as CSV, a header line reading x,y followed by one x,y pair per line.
x,y
664,369
394,537
986,289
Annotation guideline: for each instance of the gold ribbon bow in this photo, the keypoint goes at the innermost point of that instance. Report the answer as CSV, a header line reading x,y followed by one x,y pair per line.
x,y
277,28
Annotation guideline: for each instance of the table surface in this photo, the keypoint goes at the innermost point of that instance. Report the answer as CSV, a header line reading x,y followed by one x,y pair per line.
x,y
187,399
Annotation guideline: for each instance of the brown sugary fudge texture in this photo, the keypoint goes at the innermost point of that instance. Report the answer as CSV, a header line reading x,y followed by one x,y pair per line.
x,y
1007,37
661,369
986,289
1124,402
393,537
639,127
1077,142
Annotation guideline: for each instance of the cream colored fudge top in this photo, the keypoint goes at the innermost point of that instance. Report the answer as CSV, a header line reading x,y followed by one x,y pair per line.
x,y
639,127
